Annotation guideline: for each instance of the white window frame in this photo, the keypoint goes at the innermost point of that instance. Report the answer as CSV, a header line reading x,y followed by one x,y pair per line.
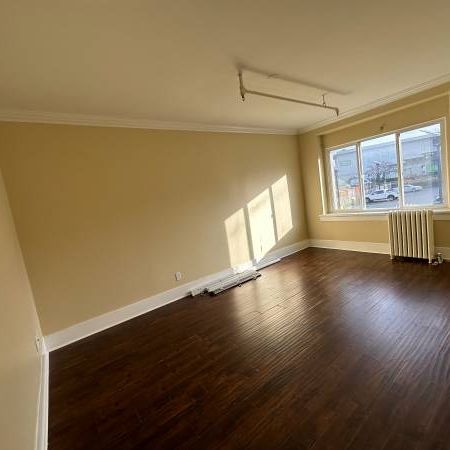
x,y
330,202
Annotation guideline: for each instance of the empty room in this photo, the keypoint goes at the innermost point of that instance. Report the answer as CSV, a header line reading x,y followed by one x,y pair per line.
x,y
224,225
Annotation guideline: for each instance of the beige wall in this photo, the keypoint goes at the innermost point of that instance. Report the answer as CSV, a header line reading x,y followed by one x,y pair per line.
x,y
19,361
433,105
105,216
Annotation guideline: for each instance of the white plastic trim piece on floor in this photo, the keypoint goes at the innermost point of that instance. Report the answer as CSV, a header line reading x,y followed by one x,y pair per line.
x,y
109,319
269,259
42,416
233,281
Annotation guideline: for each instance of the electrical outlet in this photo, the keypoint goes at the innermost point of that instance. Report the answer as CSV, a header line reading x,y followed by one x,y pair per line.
x,y
178,276
37,343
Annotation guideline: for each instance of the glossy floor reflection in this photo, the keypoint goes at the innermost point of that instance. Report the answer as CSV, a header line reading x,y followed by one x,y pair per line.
x,y
327,350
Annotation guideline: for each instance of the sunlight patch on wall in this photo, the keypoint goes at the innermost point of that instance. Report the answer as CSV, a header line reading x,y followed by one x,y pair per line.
x,y
253,230
236,230
282,207
261,224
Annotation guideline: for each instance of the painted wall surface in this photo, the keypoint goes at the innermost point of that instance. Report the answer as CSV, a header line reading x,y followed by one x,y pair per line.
x,y
434,105
106,216
19,361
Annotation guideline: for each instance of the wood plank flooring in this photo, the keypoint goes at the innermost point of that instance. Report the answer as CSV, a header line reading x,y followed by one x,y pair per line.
x,y
327,350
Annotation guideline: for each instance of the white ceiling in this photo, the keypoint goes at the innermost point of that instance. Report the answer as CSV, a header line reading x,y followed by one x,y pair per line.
x,y
177,60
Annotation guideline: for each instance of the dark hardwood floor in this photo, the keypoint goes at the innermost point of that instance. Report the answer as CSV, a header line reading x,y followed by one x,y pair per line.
x,y
327,350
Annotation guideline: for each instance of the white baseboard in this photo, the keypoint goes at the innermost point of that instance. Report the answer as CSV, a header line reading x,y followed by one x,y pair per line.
x,y
99,323
354,246
112,318
366,247
109,319
445,252
42,417
286,251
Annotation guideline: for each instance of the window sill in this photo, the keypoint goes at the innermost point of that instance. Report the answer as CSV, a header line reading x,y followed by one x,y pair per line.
x,y
372,216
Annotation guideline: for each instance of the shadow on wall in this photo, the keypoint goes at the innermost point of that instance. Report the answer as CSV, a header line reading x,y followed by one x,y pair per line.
x,y
253,230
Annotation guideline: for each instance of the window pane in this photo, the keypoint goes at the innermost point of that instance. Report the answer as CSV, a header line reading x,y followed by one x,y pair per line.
x,y
346,186
379,161
422,171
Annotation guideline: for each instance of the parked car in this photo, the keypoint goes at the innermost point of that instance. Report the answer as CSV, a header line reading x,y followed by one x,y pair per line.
x,y
411,188
381,195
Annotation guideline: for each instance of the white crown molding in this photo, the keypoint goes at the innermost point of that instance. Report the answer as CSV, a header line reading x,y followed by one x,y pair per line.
x,y
380,102
27,116
96,324
122,122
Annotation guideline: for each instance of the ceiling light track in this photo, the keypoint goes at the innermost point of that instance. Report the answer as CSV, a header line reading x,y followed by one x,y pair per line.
x,y
244,91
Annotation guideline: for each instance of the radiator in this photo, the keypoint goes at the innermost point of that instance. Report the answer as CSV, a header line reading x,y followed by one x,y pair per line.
x,y
411,234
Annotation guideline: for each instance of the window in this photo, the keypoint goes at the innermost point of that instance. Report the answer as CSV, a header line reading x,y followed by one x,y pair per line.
x,y
344,163
402,169
380,172
422,170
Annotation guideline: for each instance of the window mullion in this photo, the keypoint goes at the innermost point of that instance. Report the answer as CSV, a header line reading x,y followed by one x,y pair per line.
x,y
401,202
360,175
